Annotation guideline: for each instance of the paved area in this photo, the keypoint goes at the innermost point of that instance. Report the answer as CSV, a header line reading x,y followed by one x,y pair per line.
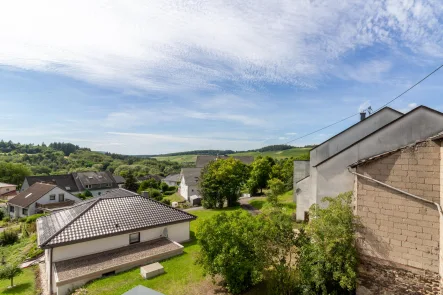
x,y
244,204
90,264
43,279
32,262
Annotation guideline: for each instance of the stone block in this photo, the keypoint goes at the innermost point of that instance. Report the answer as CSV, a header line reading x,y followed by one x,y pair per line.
x,y
151,270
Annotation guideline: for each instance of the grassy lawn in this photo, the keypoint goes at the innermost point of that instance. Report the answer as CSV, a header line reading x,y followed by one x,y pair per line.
x,y
285,200
24,284
182,275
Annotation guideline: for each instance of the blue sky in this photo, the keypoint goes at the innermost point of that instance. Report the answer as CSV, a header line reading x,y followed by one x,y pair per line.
x,y
155,77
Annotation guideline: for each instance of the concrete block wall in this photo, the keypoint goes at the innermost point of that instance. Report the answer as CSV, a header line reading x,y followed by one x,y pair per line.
x,y
396,227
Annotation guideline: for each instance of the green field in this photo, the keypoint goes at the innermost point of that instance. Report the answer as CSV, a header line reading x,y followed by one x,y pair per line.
x,y
294,152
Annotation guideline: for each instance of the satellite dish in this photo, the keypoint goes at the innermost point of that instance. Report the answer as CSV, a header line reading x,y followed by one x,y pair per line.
x,y
165,232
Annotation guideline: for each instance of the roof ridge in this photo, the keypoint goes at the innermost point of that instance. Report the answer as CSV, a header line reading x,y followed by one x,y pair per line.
x,y
381,128
70,222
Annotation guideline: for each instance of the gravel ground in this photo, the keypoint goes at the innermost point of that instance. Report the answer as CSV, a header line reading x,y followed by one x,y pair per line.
x,y
81,266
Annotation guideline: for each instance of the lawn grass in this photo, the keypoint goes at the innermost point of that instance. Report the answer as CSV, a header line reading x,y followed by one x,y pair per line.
x,y
24,283
285,202
182,275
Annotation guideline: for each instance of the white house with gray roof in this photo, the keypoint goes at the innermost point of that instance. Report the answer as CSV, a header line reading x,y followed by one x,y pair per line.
x,y
189,182
106,235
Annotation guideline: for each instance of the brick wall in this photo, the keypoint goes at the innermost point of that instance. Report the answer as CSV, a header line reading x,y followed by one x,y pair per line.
x,y
396,227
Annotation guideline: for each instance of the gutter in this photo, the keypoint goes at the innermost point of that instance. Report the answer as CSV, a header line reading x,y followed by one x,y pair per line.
x,y
399,190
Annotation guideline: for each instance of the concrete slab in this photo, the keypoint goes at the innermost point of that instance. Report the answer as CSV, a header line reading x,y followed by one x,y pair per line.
x,y
151,270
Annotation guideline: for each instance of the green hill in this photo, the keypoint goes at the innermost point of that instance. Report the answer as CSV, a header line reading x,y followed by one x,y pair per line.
x,y
301,153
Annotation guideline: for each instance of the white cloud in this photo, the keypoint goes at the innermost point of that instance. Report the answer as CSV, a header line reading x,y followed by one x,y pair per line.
x,y
171,46
412,105
290,133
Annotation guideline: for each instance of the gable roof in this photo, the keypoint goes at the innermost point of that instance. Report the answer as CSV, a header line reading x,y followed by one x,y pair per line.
x,y
119,179
191,175
101,217
65,181
382,128
203,160
32,194
172,177
352,126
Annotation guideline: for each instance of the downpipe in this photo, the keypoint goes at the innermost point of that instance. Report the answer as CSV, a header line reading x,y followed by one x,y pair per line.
x,y
398,190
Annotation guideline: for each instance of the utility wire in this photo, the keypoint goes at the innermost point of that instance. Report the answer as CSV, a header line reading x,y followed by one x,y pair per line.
x,y
392,100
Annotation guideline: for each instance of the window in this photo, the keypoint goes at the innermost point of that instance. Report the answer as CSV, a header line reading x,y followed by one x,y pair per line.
x,y
61,197
134,238
88,186
51,197
25,211
99,193
11,209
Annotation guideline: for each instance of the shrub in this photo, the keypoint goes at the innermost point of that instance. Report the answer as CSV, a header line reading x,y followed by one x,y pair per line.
x,y
155,194
328,256
33,218
7,219
164,187
2,214
166,201
276,187
22,219
231,247
8,237
168,193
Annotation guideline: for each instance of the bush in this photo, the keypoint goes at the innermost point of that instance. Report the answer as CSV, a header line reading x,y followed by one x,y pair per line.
x,y
166,201
33,218
7,219
2,214
22,219
168,193
328,255
8,237
231,246
164,187
276,187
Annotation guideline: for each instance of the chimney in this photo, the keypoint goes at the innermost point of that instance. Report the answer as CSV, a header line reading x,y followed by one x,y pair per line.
x,y
362,116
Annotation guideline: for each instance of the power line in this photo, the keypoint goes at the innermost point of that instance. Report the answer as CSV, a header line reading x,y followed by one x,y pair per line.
x,y
392,100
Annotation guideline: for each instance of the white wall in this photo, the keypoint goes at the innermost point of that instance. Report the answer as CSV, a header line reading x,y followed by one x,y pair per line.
x,y
7,189
302,194
178,232
183,189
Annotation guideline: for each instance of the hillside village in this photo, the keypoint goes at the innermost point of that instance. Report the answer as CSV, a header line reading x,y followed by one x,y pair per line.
x,y
376,184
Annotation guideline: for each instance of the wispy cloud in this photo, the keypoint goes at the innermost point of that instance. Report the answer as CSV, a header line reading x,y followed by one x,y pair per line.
x,y
171,46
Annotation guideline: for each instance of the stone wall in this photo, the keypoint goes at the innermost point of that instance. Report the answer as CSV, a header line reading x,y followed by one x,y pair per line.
x,y
396,227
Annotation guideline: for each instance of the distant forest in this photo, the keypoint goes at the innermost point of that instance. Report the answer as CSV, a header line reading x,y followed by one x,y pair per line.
x,y
60,158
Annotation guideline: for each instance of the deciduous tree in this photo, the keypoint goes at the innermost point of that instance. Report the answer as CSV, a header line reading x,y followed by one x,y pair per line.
x,y
9,271
221,181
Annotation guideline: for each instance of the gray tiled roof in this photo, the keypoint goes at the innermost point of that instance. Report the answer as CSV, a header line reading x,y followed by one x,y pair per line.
x,y
118,192
191,175
96,179
65,181
204,160
101,217
173,177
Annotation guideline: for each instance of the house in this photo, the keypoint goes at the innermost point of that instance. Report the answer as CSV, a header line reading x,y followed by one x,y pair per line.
x,y
326,173
203,160
119,180
189,182
96,182
79,182
172,179
397,195
106,235
38,197
7,190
